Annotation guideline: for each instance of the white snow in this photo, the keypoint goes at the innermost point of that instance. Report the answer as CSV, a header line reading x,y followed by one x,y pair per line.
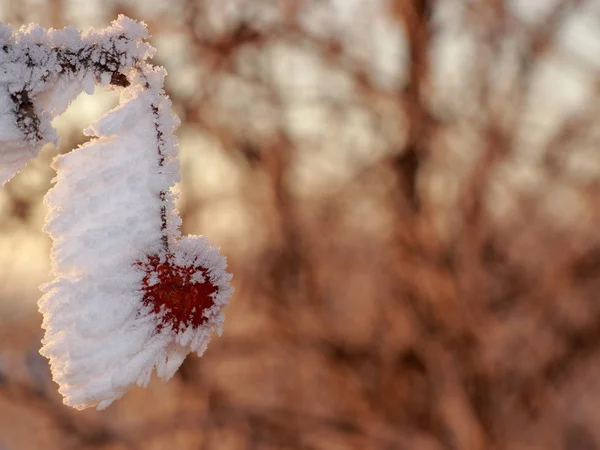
x,y
106,210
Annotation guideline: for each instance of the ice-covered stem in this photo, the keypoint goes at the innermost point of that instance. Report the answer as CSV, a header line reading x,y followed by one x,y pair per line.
x,y
153,81
163,195
26,118
43,70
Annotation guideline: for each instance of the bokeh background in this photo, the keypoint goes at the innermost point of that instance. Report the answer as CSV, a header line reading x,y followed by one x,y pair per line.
x,y
408,193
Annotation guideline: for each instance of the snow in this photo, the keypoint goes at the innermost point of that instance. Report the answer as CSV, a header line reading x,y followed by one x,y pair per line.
x,y
111,212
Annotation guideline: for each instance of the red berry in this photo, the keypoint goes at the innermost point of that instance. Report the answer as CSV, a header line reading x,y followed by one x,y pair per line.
x,y
178,290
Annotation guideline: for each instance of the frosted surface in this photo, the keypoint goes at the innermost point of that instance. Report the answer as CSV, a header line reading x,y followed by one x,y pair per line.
x,y
111,212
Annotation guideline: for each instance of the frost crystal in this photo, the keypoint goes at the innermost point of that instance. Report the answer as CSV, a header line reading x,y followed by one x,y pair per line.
x,y
130,294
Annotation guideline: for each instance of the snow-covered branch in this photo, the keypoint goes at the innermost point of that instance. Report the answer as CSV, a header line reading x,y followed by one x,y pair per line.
x,y
42,71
